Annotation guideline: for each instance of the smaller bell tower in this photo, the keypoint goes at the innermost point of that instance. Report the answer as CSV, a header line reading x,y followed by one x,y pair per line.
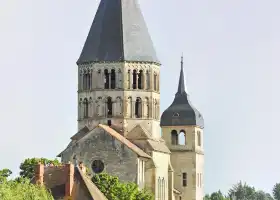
x,y
182,129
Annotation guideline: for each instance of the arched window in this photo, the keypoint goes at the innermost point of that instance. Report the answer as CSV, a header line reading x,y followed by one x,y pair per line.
x,y
109,107
140,79
198,138
134,77
155,82
147,80
80,111
113,79
174,137
106,80
138,108
81,81
85,81
89,79
182,137
85,108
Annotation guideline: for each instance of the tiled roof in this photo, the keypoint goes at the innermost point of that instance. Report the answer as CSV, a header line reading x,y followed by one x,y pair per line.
x,y
181,112
158,146
118,33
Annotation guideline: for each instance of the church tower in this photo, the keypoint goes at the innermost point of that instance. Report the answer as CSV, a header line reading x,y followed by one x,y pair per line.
x,y
119,71
182,129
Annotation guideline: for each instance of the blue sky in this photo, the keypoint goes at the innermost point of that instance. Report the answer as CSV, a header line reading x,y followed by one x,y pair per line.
x,y
231,50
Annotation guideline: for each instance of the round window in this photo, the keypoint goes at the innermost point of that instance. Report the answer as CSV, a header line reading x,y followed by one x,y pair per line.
x,y
97,166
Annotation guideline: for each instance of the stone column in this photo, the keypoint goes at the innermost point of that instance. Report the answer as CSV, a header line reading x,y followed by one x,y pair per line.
x,y
131,79
92,77
101,80
105,108
120,78
144,84
158,82
152,80
116,80
132,109
137,77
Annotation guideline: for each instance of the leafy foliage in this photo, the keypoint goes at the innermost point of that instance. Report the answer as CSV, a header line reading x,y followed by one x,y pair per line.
x,y
216,196
240,191
113,189
4,174
22,189
276,191
27,167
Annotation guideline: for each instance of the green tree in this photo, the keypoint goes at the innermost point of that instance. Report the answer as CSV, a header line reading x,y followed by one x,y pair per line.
x,y
23,190
113,189
4,174
242,192
276,191
207,197
261,195
27,166
216,196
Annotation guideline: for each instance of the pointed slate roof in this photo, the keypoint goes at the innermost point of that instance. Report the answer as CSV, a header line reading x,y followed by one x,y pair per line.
x,y
181,112
118,33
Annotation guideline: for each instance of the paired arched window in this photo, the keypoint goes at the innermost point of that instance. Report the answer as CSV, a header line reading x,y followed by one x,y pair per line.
x,y
87,80
178,139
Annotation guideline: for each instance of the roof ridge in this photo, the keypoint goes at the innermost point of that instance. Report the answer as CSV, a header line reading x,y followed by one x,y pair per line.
x,y
95,195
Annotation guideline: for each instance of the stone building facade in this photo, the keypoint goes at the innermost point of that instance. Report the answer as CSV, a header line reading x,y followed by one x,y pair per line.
x,y
120,130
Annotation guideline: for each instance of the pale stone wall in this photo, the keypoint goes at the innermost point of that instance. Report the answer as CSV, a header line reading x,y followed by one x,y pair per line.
x,y
123,97
161,161
99,145
189,159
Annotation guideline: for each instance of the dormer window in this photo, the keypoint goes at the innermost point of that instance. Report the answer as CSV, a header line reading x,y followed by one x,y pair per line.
x,y
176,115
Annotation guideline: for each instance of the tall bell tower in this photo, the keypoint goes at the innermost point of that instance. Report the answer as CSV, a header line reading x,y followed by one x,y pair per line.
x,y
119,71
182,129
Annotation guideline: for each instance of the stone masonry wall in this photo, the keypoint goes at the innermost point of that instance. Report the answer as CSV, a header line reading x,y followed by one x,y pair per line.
x,y
98,145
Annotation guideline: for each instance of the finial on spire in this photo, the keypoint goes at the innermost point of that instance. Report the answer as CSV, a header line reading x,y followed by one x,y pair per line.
x,y
181,85
182,61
